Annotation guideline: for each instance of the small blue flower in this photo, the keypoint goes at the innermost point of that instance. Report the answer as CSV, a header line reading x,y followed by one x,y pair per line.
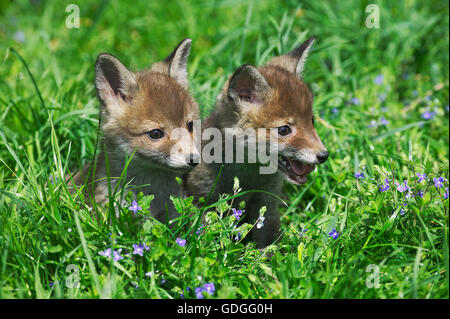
x,y
238,236
334,110
438,182
379,79
383,121
303,231
373,123
359,175
420,193
446,193
138,250
209,288
134,207
355,101
384,187
333,233
53,181
117,255
402,187
181,242
237,213
105,253
428,115
19,36
199,292
422,177
199,230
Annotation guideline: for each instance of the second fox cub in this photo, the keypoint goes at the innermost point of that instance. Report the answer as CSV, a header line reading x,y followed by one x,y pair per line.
x,y
141,112
275,98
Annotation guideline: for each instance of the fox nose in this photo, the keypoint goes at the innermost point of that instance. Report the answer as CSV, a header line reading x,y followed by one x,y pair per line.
x,y
322,156
193,159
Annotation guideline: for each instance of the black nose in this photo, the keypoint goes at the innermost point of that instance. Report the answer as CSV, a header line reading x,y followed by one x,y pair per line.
x,y
193,159
322,156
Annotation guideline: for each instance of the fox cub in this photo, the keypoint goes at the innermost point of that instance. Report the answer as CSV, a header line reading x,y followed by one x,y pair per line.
x,y
141,113
275,98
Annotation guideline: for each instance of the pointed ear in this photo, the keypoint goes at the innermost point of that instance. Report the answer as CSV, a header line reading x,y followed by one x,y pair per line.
x,y
248,85
177,62
295,60
113,80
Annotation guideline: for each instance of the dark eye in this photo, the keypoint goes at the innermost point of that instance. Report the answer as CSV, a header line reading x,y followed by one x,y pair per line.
x,y
313,120
155,134
190,126
284,130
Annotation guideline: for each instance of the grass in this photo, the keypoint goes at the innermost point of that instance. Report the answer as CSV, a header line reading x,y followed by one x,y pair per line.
x,y
50,244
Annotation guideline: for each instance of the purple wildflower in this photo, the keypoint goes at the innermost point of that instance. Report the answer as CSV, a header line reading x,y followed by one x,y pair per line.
x,y
379,79
237,213
402,212
105,253
199,230
446,193
181,242
209,288
117,255
53,180
438,182
199,292
428,115
134,207
402,187
138,250
373,123
355,101
303,231
422,177
334,110
333,233
383,121
359,175
420,193
19,36
384,187
238,236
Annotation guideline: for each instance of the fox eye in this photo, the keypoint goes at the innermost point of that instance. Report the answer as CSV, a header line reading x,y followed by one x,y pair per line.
x,y
284,130
190,126
155,134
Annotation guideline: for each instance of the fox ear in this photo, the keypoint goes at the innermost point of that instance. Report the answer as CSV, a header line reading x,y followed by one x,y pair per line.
x,y
177,61
248,85
113,80
295,60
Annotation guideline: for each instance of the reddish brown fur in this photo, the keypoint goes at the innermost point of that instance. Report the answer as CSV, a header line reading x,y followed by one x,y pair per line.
x,y
289,103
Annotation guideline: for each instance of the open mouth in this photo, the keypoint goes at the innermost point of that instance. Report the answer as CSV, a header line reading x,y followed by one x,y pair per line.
x,y
294,170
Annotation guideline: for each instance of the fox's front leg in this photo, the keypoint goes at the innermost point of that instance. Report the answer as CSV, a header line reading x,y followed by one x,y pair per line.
x,y
270,231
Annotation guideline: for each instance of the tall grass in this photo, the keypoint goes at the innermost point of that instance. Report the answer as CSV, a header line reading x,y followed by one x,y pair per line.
x,y
359,76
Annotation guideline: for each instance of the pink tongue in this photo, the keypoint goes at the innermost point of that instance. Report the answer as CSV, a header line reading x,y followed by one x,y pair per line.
x,y
301,169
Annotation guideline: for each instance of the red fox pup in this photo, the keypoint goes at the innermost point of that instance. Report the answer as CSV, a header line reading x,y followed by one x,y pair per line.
x,y
144,112
273,98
